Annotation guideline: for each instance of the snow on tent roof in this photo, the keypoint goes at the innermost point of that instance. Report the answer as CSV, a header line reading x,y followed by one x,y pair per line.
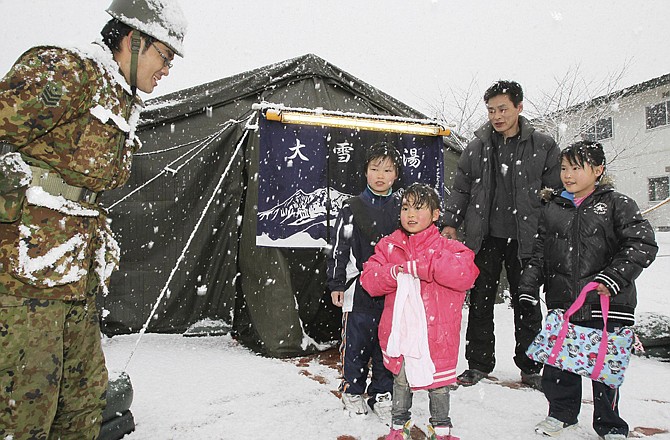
x,y
251,83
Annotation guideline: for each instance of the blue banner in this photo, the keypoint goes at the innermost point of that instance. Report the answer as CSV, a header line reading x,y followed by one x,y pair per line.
x,y
306,173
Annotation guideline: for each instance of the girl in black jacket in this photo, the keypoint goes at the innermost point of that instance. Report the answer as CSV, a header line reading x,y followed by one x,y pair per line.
x,y
587,232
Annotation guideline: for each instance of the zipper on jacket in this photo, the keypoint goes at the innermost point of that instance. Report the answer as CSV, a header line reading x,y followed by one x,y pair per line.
x,y
575,261
517,154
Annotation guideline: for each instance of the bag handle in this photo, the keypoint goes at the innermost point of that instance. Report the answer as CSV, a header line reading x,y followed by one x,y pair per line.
x,y
579,302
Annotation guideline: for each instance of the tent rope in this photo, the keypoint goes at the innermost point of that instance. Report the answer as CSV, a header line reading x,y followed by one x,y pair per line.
x,y
165,150
190,239
202,144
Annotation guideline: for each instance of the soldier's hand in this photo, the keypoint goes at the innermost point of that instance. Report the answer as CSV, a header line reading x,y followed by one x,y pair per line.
x,y
14,173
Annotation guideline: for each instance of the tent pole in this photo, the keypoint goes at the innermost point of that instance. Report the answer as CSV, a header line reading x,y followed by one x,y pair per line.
x,y
329,204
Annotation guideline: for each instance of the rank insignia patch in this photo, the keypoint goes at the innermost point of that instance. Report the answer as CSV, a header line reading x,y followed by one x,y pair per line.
x,y
52,94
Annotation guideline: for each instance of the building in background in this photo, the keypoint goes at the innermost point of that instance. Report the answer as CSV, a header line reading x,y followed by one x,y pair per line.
x,y
633,125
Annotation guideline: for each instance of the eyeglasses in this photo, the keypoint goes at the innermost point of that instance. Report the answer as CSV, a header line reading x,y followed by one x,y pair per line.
x,y
166,61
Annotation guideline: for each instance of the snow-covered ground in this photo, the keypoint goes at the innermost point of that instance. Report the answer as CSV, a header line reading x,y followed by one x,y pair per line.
x,y
211,388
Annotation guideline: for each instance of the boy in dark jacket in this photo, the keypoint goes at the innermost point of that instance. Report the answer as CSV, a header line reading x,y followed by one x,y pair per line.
x,y
587,232
361,222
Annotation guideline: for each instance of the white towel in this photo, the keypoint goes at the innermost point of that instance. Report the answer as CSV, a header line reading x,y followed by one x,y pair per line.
x,y
409,332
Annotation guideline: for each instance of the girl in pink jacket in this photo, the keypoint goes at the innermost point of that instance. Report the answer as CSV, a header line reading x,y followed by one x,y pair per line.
x,y
424,277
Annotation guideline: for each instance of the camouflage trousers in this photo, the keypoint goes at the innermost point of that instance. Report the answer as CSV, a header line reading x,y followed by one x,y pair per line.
x,y
53,379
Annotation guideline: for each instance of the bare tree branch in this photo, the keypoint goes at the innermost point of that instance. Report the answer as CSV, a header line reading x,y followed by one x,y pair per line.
x,y
576,102
461,110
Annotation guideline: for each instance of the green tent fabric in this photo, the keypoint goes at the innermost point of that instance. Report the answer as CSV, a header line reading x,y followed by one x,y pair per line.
x,y
274,299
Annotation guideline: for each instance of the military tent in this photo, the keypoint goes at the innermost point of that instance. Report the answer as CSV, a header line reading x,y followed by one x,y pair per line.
x,y
186,220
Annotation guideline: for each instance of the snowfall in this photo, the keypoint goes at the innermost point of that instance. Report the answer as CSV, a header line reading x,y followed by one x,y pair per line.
x,y
210,388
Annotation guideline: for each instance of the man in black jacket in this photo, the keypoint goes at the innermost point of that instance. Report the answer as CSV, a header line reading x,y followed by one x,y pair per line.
x,y
495,196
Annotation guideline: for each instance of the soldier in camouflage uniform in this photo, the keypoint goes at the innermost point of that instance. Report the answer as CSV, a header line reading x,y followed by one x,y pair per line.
x,y
67,132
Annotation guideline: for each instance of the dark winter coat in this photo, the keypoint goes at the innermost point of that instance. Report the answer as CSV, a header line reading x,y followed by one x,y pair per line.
x,y
536,166
605,239
353,247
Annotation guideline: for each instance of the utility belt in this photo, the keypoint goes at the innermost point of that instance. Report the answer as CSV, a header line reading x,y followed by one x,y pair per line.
x,y
52,183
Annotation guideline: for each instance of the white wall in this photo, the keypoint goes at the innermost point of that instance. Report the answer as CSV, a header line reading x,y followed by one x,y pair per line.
x,y
635,153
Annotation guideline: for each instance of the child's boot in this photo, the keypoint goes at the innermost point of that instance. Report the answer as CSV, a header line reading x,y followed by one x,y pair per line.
x,y
440,433
400,432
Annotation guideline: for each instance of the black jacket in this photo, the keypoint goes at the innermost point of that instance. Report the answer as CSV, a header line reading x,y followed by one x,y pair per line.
x,y
605,239
537,166
353,246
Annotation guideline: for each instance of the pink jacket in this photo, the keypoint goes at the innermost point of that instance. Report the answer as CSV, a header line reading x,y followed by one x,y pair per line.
x,y
446,269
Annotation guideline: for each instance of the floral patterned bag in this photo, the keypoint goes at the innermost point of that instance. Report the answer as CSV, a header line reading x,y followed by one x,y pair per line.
x,y
589,352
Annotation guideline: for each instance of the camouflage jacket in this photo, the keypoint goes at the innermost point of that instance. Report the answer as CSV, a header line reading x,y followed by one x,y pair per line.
x,y
69,112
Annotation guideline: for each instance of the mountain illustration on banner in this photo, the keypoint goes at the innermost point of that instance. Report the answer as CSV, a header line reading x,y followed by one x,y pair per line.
x,y
302,217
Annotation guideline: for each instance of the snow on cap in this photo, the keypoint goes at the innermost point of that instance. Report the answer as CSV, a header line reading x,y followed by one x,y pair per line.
x,y
161,19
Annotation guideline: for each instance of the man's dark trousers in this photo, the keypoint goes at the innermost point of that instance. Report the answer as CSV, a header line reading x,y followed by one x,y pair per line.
x,y
480,337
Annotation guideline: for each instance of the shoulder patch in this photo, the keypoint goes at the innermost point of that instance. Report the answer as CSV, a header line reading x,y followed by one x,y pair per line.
x,y
52,94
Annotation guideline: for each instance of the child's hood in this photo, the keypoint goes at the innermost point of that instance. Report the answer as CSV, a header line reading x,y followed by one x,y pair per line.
x,y
606,183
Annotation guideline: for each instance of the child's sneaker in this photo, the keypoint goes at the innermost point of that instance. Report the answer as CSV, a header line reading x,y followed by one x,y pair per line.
x,y
400,432
382,406
615,436
354,403
552,427
440,433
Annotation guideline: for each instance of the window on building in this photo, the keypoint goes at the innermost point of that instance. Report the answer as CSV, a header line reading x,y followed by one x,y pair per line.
x,y
659,188
602,129
658,115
